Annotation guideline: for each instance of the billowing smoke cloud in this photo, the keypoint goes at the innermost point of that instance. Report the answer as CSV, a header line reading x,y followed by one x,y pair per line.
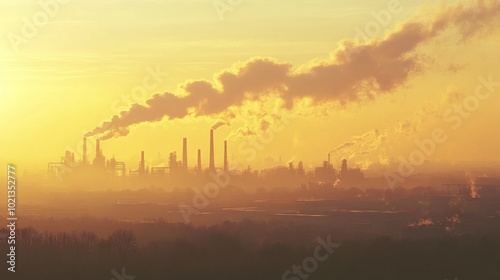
x,y
359,71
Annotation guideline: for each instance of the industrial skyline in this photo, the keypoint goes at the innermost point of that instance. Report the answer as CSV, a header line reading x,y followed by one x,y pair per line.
x,y
320,179
230,139
100,160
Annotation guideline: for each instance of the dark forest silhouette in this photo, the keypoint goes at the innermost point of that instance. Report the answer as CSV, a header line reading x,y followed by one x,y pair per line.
x,y
247,250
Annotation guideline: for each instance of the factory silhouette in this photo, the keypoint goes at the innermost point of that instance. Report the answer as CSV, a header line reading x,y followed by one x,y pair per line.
x,y
178,173
102,173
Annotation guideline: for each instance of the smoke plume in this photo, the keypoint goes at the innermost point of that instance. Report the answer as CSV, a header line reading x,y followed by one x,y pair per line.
x,y
361,145
219,124
378,143
358,72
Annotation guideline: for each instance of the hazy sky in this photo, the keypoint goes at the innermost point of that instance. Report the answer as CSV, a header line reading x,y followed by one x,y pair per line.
x,y
60,80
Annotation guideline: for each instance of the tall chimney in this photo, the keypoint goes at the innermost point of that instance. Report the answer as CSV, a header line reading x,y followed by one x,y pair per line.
x,y
328,159
99,159
199,160
142,165
212,159
225,156
84,156
184,154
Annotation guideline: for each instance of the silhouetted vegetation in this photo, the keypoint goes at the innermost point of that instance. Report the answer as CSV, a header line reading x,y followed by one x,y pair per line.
x,y
247,250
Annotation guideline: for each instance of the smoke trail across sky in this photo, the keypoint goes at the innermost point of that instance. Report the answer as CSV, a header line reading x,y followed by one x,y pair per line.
x,y
358,72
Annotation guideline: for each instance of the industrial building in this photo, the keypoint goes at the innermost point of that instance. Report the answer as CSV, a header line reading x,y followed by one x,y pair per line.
x,y
177,172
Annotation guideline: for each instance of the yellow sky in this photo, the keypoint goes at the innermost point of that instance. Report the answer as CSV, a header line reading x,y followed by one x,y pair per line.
x,y
85,65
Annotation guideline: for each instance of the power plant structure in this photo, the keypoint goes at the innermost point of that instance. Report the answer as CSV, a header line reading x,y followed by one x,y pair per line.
x,y
181,167
171,166
318,182
68,165
179,170
175,171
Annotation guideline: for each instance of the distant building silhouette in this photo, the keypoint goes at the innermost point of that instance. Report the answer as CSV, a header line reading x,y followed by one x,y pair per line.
x,y
177,173
325,173
350,176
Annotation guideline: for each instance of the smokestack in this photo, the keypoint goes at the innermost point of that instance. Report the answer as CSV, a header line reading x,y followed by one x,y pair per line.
x,y
84,157
199,160
184,154
99,158
225,156
142,165
212,159
328,159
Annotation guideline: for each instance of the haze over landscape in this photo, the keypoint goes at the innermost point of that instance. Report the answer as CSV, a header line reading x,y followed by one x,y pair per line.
x,y
169,139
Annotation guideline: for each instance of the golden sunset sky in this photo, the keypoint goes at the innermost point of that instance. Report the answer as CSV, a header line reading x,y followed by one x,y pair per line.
x,y
62,79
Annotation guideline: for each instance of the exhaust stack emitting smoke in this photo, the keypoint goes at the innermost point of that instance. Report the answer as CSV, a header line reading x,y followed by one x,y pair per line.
x,y
359,72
